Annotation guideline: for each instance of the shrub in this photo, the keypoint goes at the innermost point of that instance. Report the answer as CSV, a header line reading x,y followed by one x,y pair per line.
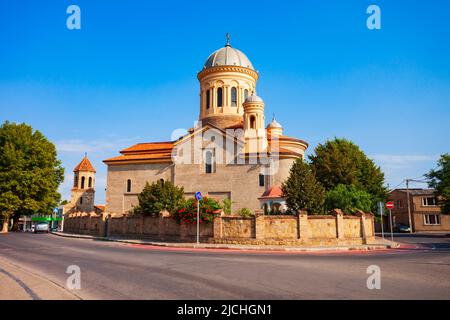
x,y
226,204
349,199
159,196
245,213
187,212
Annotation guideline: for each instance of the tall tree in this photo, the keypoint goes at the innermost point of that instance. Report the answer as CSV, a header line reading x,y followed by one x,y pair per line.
x,y
439,179
302,191
340,161
30,172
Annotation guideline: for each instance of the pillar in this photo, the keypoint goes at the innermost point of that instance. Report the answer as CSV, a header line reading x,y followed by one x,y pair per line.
x,y
304,232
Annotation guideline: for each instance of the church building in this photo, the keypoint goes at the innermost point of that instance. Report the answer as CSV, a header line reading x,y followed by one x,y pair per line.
x,y
230,152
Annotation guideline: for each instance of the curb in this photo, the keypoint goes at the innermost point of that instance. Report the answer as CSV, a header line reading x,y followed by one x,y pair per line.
x,y
369,247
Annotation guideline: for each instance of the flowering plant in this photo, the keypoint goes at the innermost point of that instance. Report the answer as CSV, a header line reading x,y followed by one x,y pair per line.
x,y
209,208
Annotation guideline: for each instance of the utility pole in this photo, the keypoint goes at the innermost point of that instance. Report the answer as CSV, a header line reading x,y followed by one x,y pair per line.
x,y
409,206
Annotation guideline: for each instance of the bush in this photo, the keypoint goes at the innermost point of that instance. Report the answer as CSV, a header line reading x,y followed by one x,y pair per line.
x,y
187,212
245,213
159,196
226,204
349,199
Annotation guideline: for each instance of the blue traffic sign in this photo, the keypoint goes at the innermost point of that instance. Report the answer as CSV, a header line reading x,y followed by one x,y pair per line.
x,y
198,196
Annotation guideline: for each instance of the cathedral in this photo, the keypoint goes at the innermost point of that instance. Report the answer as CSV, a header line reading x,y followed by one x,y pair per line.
x,y
229,153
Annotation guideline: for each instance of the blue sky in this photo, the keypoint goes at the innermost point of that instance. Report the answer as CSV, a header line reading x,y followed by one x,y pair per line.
x,y
129,74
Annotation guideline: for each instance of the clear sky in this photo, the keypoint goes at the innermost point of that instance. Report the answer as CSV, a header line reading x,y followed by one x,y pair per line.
x,y
129,74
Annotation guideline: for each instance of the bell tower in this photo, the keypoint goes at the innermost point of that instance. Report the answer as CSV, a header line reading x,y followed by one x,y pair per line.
x,y
83,191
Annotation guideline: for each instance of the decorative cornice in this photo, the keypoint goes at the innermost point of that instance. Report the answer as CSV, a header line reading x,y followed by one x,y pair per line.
x,y
215,69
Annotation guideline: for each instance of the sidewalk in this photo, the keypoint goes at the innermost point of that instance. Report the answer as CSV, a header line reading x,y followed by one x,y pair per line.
x,y
19,284
380,244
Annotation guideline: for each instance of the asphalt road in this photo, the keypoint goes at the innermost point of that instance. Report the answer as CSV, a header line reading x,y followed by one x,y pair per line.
x,y
119,271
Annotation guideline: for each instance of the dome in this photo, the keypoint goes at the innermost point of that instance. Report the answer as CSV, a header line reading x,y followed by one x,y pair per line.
x,y
254,98
228,56
274,124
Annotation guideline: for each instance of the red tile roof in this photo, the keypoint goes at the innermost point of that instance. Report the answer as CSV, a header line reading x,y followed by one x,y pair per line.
x,y
142,156
272,193
100,207
84,165
148,147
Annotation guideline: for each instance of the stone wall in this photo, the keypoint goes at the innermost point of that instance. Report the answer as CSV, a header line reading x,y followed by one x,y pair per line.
x,y
302,229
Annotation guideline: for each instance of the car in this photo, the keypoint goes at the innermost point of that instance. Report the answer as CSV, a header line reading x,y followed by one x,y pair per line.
x,y
400,227
41,227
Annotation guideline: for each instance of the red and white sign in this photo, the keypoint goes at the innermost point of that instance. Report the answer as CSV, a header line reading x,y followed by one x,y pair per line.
x,y
390,205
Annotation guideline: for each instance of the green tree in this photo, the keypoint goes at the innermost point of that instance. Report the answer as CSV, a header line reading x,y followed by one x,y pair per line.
x,y
340,161
159,196
439,179
30,173
349,199
302,191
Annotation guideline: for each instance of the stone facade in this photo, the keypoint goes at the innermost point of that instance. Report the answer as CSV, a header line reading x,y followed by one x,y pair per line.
x,y
259,230
228,149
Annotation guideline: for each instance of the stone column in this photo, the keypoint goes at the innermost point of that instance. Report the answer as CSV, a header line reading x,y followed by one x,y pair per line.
x,y
217,228
339,223
362,216
259,225
304,232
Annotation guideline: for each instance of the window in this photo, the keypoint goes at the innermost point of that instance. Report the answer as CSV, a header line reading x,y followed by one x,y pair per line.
x,y
245,94
219,97
432,219
75,182
208,162
429,201
82,182
128,185
208,99
90,182
233,97
252,122
161,181
81,200
261,180
399,204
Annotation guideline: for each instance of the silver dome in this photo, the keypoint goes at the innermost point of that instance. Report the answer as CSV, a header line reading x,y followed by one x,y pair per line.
x,y
228,56
254,98
274,124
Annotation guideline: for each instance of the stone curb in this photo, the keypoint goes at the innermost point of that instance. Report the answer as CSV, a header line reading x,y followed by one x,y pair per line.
x,y
232,247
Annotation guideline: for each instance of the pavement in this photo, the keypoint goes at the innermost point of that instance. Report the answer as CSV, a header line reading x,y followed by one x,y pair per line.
x,y
377,245
19,284
418,269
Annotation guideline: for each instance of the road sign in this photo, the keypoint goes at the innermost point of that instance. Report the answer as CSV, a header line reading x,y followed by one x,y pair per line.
x,y
198,196
390,205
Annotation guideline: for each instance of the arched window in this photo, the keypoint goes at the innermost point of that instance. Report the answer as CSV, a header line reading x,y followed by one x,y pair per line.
x,y
208,99
245,94
208,162
252,122
128,185
82,182
219,97
75,181
233,97
161,181
90,182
